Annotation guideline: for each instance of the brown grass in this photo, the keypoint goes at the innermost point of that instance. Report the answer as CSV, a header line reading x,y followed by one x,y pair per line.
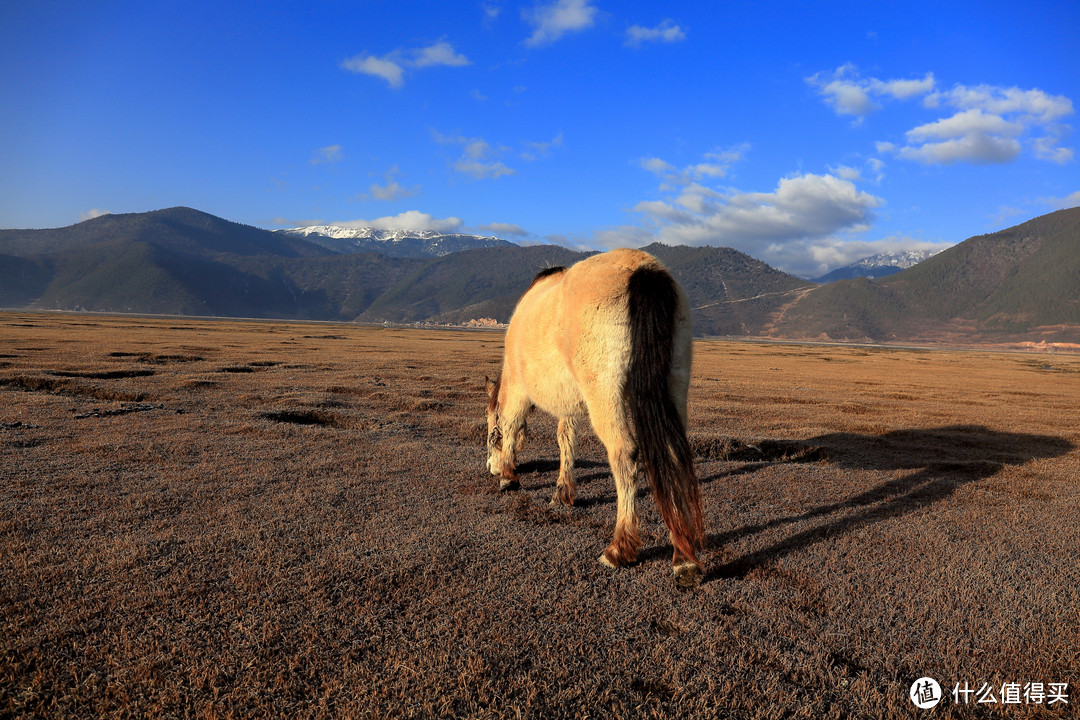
x,y
239,519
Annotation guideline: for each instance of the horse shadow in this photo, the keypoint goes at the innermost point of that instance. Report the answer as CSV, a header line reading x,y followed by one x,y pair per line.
x,y
946,459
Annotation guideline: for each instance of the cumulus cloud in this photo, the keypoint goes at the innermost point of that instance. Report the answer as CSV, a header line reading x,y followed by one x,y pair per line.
x,y
793,227
990,126
553,20
392,66
328,154
665,32
409,220
850,94
1034,105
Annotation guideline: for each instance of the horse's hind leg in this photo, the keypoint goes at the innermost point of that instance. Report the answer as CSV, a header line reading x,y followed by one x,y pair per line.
x,y
614,432
564,489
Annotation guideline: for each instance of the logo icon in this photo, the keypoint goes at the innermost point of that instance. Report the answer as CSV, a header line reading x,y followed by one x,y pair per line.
x,y
925,693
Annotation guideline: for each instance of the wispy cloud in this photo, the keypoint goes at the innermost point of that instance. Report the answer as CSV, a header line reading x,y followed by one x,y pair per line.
x,y
537,150
553,20
499,228
481,160
328,154
715,164
392,189
392,66
1063,203
478,158
665,32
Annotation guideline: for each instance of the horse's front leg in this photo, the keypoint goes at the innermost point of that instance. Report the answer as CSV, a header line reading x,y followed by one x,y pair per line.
x,y
564,488
513,424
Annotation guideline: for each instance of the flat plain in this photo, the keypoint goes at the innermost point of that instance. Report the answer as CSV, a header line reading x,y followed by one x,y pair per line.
x,y
216,519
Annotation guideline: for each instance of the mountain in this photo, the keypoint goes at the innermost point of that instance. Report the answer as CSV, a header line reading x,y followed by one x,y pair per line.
x,y
730,292
394,243
184,262
877,266
1020,283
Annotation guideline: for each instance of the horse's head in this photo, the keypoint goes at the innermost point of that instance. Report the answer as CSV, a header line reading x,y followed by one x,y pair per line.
x,y
494,435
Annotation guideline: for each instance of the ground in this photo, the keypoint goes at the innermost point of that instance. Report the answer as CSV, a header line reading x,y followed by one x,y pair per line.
x,y
256,519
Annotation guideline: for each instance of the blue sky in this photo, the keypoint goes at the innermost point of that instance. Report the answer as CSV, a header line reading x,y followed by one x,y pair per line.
x,y
805,134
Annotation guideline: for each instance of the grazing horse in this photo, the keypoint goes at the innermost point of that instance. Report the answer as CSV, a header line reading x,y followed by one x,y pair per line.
x,y
609,336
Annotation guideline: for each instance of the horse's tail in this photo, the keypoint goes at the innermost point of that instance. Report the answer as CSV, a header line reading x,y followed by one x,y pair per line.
x,y
663,451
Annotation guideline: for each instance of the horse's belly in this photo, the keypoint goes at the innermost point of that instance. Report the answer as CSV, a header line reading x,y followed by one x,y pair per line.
x,y
553,389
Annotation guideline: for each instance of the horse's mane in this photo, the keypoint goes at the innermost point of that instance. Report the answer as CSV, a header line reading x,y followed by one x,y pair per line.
x,y
546,272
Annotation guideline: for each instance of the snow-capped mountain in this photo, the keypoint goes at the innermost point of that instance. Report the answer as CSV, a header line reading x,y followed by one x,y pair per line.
x,y
395,243
902,260
879,265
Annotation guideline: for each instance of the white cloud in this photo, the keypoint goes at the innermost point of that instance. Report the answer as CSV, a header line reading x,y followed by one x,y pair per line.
x,y
989,127
964,123
392,190
850,94
846,172
477,161
391,67
970,136
388,70
553,20
408,220
716,164
991,124
441,53
665,32
790,227
504,229
1069,201
480,160
328,154
538,150
93,213
1036,105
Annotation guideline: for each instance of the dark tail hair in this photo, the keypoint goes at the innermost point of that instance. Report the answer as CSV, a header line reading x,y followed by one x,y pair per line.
x,y
663,451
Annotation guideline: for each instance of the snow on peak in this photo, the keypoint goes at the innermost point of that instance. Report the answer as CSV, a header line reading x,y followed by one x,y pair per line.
x,y
902,259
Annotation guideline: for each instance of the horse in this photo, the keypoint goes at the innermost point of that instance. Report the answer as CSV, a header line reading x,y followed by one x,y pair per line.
x,y
608,337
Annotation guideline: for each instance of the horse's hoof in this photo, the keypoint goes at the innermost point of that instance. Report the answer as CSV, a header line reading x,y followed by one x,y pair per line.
x,y
508,484
688,574
562,497
603,560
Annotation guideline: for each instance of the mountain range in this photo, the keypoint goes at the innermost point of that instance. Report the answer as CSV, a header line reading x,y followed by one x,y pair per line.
x,y
1022,283
394,243
876,266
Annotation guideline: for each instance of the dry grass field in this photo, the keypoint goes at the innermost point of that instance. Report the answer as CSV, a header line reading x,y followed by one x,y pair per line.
x,y
215,519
